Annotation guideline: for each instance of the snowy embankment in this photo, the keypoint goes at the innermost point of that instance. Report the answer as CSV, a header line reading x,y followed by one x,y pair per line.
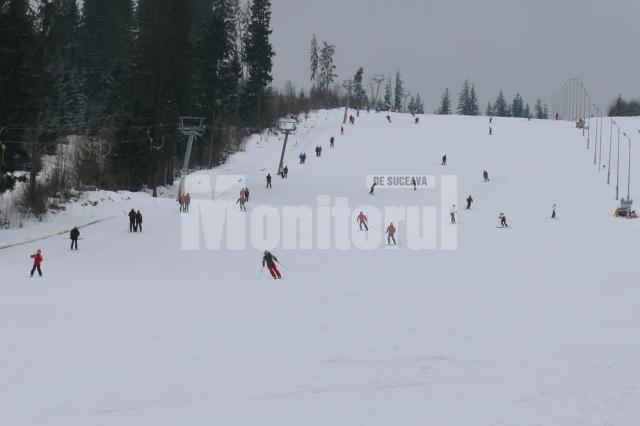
x,y
534,325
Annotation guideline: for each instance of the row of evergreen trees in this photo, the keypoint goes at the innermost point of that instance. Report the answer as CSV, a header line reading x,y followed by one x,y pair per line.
x,y
468,105
323,87
623,108
119,73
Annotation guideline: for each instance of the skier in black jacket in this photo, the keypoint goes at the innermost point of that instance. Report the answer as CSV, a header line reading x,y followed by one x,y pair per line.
x,y
74,235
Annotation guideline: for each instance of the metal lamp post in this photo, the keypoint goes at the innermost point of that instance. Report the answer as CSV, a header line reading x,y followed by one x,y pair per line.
x,y
610,142
629,171
595,151
618,167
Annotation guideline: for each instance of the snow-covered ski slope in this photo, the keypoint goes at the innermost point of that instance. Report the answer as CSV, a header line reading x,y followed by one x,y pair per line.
x,y
535,325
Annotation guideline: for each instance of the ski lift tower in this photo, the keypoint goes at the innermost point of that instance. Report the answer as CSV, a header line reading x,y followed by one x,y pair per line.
x,y
192,127
378,79
287,126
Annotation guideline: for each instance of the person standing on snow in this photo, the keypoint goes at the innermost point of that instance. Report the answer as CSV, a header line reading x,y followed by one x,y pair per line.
x,y
270,261
388,118
469,201
139,218
503,220
391,232
187,204
373,187
268,180
362,221
485,176
342,130
246,195
553,211
444,160
302,158
132,220
417,120
285,172
37,260
242,193
453,213
319,151
74,235
242,201
490,131
331,142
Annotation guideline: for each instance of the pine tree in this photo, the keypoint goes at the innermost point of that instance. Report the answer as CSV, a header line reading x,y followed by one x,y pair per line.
x,y
399,92
489,110
464,99
327,67
473,107
18,78
445,103
314,59
106,43
258,58
419,105
517,106
500,107
539,110
359,94
388,95
412,105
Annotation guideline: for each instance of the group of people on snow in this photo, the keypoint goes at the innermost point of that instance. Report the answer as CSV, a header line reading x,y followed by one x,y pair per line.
x,y
185,202
135,221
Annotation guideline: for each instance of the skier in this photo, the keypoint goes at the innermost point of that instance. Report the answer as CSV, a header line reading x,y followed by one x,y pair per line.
x,y
557,116
391,232
444,160
285,172
490,119
362,221
270,260
388,118
269,180
503,220
490,131
373,187
413,182
187,203
469,201
37,260
302,158
319,151
331,141
485,176
74,235
342,130
246,195
242,193
417,120
553,211
242,201
132,220
453,213
139,218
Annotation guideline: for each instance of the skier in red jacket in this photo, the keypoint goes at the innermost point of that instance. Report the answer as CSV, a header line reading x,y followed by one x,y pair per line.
x,y
37,260
270,260
362,221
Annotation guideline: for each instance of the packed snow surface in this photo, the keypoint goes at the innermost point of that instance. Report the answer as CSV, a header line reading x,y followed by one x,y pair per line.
x,y
538,324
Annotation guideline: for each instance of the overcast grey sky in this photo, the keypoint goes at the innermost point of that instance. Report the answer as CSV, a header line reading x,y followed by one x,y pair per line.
x,y
514,45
